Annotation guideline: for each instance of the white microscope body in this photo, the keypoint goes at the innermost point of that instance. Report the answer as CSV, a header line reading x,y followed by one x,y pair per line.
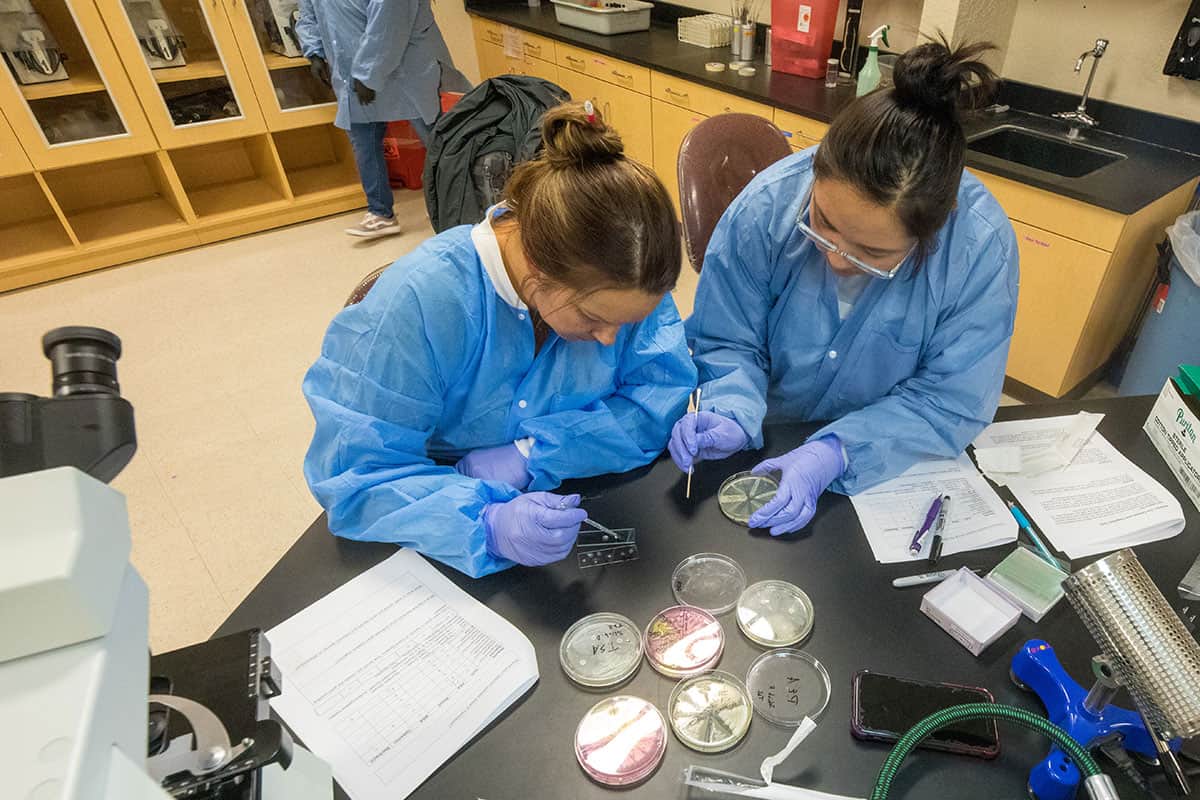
x,y
74,659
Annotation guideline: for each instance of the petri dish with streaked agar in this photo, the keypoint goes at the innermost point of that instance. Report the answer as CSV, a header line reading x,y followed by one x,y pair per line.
x,y
775,613
744,493
710,712
787,685
710,581
621,740
601,650
683,640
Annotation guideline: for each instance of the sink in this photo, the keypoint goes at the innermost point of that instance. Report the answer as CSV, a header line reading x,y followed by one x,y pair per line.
x,y
1042,151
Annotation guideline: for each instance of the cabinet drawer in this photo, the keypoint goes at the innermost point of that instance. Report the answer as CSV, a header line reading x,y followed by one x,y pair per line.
x,y
487,31
514,40
702,99
539,47
1091,225
610,70
534,67
798,143
804,127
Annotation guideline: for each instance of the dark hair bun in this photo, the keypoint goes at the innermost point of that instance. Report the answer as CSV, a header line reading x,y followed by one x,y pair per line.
x,y
570,140
938,79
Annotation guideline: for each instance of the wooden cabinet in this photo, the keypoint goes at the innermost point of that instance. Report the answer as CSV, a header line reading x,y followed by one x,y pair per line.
x,y
503,50
91,114
209,98
604,68
702,99
13,160
626,111
289,95
1084,272
1057,276
671,125
801,131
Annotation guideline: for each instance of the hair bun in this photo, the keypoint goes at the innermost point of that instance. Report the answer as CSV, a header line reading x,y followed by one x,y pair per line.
x,y
938,79
571,140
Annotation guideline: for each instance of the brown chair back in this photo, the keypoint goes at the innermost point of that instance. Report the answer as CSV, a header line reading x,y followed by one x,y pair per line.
x,y
717,159
364,286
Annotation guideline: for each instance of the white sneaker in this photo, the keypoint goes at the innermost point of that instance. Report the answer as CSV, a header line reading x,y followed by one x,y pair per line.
x,y
372,226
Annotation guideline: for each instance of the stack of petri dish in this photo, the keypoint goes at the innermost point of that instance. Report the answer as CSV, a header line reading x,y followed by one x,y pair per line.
x,y
621,740
601,651
681,641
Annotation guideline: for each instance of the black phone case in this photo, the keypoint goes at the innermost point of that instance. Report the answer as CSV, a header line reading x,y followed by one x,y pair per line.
x,y
861,732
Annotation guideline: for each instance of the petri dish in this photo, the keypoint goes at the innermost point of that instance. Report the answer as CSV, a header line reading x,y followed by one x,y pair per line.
x,y
775,613
682,641
621,740
601,650
788,685
710,581
710,712
744,493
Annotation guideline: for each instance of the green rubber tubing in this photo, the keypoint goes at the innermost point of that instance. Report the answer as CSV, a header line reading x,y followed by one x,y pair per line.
x,y
973,711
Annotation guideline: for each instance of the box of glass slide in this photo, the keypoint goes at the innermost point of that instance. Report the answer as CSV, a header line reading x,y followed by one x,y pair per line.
x,y
970,609
1174,428
1029,582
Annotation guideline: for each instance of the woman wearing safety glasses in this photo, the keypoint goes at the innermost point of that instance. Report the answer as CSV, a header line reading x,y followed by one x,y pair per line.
x,y
869,281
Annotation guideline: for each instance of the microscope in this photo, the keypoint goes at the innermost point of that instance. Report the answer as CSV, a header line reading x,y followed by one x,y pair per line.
x,y
87,712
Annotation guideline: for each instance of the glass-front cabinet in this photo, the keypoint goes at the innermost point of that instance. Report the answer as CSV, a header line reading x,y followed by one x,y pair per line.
x,y
13,160
63,89
290,95
182,57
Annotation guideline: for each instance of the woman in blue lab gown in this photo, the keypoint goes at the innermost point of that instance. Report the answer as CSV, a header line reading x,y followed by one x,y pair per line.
x,y
539,345
869,281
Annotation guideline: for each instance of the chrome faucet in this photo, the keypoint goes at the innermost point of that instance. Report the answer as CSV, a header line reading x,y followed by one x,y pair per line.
x,y
1080,116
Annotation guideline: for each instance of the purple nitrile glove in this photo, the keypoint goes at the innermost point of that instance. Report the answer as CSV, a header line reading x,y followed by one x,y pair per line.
x,y
704,436
504,463
533,529
806,471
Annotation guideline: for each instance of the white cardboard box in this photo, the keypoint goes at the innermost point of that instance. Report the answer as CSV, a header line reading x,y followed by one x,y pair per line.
x,y
1174,428
970,609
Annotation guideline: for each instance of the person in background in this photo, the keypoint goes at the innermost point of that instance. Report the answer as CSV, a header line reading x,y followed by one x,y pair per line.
x,y
869,281
541,344
385,61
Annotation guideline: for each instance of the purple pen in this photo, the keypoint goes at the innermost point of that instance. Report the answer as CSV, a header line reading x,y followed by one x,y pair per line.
x,y
915,547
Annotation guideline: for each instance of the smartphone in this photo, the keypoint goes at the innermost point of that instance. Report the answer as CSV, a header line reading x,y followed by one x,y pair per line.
x,y
886,707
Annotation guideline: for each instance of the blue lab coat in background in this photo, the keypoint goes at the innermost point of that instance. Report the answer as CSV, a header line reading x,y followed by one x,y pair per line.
x,y
392,46
434,363
914,371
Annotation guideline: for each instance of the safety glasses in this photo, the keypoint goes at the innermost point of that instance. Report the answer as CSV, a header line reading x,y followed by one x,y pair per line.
x,y
829,247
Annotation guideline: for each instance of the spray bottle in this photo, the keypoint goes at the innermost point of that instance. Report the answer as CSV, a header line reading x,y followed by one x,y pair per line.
x,y
869,76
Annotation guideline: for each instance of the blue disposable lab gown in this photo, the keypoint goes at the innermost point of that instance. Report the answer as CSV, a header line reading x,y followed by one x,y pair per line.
x,y
392,46
914,371
433,364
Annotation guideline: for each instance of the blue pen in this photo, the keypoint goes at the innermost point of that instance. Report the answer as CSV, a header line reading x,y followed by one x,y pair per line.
x,y
1026,526
915,547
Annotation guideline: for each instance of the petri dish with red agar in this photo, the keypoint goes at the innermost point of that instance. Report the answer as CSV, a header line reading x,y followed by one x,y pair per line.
x,y
621,740
681,641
